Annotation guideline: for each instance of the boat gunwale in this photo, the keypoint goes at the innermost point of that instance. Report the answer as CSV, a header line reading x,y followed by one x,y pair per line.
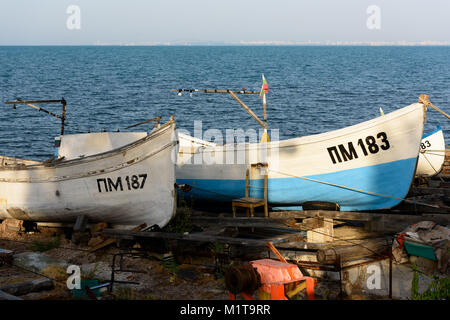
x,y
319,137
95,157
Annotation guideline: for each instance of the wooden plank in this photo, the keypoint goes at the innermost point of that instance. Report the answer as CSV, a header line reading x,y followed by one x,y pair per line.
x,y
420,191
342,215
352,252
135,235
243,91
256,222
108,242
276,252
442,219
249,111
312,223
302,245
412,208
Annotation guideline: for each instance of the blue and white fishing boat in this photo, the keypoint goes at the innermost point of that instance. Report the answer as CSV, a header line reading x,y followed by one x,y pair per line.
x,y
432,153
367,166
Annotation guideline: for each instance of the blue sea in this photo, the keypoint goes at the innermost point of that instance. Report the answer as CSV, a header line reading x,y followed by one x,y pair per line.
x,y
312,89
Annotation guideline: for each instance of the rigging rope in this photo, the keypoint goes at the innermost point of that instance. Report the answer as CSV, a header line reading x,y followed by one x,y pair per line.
x,y
355,189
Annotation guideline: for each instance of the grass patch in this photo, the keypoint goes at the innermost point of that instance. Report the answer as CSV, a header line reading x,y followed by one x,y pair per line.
x,y
438,289
182,221
42,246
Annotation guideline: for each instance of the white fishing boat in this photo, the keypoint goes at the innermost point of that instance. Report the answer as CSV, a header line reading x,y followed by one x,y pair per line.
x,y
126,183
432,153
367,166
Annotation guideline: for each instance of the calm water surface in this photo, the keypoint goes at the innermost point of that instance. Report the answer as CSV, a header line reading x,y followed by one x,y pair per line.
x,y
312,89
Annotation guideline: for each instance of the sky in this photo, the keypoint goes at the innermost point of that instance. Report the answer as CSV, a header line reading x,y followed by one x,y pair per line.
x,y
143,22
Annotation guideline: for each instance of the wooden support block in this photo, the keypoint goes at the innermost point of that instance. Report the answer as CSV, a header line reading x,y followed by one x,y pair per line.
x,y
79,234
322,234
80,223
98,227
14,225
312,223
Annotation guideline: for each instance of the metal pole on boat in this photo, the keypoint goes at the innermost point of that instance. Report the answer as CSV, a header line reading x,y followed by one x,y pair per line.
x,y
235,97
31,103
63,117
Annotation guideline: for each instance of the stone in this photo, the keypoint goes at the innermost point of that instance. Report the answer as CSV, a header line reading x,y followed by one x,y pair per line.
x,y
6,257
42,264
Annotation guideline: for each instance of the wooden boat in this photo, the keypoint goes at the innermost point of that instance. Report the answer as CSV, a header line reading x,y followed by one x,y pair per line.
x,y
367,166
432,153
128,182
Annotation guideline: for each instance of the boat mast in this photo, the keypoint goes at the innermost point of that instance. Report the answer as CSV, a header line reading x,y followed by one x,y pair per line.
x,y
31,103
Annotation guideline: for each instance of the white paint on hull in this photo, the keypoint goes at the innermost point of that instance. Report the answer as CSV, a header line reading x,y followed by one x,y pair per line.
x,y
309,155
432,155
64,190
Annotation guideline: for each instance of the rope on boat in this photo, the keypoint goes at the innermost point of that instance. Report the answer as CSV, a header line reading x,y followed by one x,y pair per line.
x,y
423,98
431,165
433,154
355,189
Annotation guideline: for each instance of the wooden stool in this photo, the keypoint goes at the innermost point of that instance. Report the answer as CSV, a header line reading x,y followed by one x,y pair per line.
x,y
250,203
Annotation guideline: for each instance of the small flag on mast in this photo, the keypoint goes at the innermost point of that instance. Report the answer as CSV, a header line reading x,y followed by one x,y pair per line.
x,y
264,88
262,94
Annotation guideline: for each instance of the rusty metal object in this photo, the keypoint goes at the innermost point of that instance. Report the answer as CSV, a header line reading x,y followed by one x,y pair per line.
x,y
242,278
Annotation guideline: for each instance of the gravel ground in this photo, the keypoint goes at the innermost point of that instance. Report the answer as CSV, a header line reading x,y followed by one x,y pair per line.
x,y
155,281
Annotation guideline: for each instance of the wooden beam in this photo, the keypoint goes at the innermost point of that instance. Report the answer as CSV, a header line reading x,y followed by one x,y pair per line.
x,y
443,219
33,101
301,246
243,91
30,103
135,235
108,242
256,222
276,252
367,248
418,191
243,105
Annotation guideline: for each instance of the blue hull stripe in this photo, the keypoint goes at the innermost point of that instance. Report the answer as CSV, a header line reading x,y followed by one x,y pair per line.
x,y
392,178
438,128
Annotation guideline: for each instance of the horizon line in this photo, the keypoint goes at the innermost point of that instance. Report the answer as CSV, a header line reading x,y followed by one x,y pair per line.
x,y
248,43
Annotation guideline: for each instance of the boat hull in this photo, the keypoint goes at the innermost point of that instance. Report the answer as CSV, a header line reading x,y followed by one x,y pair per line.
x,y
130,185
368,166
432,154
